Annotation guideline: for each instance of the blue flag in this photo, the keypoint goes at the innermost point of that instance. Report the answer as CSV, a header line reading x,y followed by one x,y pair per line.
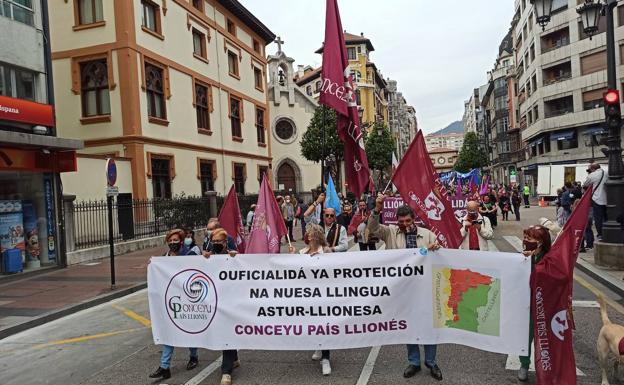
x,y
331,197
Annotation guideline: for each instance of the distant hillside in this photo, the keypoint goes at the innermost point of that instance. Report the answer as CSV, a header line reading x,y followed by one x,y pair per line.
x,y
453,128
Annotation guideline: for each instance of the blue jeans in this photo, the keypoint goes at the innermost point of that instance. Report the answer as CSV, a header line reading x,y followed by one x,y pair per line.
x,y
167,352
413,355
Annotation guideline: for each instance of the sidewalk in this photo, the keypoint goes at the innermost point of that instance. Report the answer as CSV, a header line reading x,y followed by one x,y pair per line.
x,y
35,300
611,278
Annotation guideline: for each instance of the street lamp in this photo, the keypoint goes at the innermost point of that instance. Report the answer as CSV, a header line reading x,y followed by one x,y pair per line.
x,y
543,9
590,15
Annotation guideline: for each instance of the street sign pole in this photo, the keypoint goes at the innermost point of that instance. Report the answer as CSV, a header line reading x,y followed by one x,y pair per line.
x,y
111,193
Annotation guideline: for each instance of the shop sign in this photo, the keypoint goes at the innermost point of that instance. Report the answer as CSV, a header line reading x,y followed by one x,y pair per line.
x,y
34,160
25,111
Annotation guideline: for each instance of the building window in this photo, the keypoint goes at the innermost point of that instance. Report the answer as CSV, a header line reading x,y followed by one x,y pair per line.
x,y
547,144
262,171
201,107
536,113
594,62
567,144
240,174
256,47
258,79
161,178
199,44
231,27
309,90
235,117
356,76
17,83
317,86
18,10
94,88
151,16
260,129
358,97
154,85
198,4
90,11
351,53
233,63
206,175
284,130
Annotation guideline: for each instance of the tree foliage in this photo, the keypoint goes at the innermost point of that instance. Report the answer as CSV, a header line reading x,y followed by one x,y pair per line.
x,y
379,147
471,155
324,119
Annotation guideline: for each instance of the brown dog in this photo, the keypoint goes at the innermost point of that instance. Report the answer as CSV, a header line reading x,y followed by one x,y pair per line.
x,y
610,339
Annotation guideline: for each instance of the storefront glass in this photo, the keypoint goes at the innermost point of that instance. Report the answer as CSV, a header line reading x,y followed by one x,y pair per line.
x,y
27,222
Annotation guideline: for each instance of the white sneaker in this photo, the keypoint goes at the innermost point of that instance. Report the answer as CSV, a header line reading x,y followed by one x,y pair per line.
x,y
317,355
226,379
523,374
326,367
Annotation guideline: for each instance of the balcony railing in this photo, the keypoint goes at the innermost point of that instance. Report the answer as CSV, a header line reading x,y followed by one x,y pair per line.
x,y
558,45
559,78
560,111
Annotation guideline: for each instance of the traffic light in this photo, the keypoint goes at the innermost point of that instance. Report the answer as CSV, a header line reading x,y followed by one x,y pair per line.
x,y
613,115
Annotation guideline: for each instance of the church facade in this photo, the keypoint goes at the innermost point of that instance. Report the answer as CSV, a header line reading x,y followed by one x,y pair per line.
x,y
290,111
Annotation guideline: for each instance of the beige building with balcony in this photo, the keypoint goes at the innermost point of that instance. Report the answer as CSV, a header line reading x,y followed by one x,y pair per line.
x,y
174,89
561,77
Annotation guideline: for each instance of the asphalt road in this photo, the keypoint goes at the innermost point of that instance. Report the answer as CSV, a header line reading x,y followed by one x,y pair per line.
x,y
112,344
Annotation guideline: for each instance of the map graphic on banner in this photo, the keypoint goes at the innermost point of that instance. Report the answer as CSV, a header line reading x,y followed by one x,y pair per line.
x,y
467,300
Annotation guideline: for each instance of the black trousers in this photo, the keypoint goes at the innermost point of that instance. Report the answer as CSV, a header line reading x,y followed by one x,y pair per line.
x,y
367,246
325,354
526,200
227,365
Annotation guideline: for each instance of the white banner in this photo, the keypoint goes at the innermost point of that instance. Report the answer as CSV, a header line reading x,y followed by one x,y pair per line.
x,y
346,300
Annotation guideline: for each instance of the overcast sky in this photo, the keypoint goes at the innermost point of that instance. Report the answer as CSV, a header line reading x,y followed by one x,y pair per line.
x,y
438,51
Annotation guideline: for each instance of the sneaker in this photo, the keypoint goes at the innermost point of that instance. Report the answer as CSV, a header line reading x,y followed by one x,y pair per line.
x,y
317,355
523,374
226,379
326,367
192,364
161,373
411,370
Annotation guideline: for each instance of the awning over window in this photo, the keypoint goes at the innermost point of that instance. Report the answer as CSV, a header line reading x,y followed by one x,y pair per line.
x,y
564,135
594,131
538,141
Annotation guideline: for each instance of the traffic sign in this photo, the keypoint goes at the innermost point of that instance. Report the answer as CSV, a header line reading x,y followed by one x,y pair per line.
x,y
111,172
112,191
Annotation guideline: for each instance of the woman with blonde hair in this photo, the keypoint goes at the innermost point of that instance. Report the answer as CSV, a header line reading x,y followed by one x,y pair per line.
x,y
316,242
174,240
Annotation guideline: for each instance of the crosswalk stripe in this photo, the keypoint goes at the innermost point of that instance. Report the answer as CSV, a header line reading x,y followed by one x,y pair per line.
x,y
369,365
514,241
201,376
579,303
492,246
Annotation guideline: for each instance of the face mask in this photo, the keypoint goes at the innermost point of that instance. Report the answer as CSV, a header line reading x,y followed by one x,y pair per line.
x,y
175,246
217,248
529,245
188,241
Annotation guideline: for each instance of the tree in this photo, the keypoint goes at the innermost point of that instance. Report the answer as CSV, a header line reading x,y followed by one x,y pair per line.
x,y
324,119
471,155
379,147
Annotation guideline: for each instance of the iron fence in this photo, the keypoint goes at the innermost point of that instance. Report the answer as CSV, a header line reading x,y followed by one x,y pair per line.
x,y
136,219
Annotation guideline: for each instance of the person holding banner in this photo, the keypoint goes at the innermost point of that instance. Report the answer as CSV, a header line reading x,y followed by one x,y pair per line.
x,y
476,229
219,241
535,245
407,235
174,240
316,244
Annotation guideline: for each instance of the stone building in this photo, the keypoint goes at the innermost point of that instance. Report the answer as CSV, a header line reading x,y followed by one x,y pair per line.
x,y
402,119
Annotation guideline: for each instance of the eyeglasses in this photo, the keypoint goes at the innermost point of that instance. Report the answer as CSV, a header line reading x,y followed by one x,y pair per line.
x,y
330,216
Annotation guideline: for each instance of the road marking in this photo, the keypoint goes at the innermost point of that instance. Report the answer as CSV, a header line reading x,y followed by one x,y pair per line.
x,y
513,363
619,308
514,241
492,246
201,376
144,321
85,338
369,365
578,303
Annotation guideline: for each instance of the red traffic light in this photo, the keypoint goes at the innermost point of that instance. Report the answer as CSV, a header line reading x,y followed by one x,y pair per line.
x,y
612,97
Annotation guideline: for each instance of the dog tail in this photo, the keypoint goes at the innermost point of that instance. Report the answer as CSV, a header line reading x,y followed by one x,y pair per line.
x,y
603,310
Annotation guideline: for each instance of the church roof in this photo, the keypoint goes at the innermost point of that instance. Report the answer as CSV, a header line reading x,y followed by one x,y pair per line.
x,y
309,76
351,39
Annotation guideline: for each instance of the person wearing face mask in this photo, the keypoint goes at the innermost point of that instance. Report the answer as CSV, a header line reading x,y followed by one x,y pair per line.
x,y
190,247
476,229
219,246
316,243
407,235
175,243
536,244
214,224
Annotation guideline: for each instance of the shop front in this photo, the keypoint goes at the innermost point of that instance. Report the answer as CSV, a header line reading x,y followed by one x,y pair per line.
x,y
31,215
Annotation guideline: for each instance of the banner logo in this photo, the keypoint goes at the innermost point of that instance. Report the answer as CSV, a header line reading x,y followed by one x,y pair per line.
x,y
191,301
559,324
434,206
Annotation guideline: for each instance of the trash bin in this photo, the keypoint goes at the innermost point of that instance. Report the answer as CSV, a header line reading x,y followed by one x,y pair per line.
x,y
12,261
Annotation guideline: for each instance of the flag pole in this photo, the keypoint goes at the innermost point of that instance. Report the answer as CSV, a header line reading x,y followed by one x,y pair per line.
x,y
323,123
386,189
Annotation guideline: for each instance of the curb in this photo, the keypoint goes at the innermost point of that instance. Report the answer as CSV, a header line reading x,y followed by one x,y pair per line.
x,y
60,313
613,284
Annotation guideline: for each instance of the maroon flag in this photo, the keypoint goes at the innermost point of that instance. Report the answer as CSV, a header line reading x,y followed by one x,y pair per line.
x,y
551,301
337,92
232,221
268,224
421,188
